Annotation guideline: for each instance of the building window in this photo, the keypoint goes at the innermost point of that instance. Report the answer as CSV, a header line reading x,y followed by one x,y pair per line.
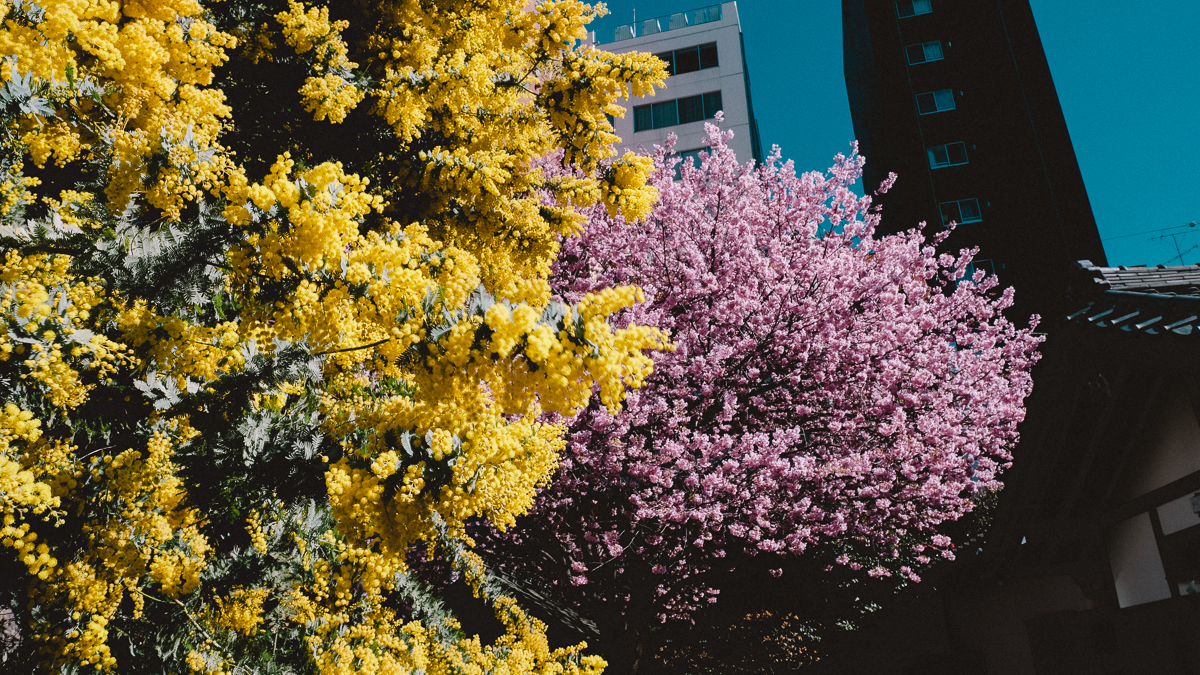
x,y
666,114
976,266
680,111
935,101
684,156
907,8
949,154
961,211
691,59
924,52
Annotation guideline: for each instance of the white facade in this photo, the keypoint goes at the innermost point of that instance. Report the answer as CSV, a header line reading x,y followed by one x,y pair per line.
x,y
677,34
1137,566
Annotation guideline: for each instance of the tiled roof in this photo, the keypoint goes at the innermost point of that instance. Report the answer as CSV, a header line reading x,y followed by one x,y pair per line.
x,y
1151,300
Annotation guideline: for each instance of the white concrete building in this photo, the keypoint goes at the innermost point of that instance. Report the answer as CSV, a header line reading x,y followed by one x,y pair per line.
x,y
707,62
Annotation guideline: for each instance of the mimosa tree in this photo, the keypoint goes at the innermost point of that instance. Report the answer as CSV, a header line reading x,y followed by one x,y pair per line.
x,y
276,312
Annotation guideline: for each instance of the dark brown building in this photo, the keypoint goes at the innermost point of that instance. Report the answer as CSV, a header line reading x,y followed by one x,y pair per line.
x,y
1091,563
955,97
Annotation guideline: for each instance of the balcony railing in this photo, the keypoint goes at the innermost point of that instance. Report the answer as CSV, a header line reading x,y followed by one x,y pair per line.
x,y
662,24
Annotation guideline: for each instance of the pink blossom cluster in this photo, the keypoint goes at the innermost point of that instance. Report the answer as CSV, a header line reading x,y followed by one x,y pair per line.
x,y
828,386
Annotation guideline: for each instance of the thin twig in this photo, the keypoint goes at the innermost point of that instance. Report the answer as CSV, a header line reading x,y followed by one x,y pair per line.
x,y
192,620
353,349
107,447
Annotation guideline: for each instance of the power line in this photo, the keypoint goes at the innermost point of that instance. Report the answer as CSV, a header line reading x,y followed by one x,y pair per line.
x,y
1136,234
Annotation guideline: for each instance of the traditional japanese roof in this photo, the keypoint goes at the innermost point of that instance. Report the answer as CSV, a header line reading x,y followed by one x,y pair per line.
x,y
1150,300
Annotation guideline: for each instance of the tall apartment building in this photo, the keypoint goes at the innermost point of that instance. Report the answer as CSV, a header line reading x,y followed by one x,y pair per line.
x,y
707,65
955,96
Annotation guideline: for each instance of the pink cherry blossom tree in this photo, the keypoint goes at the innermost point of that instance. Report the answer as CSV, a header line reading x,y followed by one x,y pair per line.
x,y
829,389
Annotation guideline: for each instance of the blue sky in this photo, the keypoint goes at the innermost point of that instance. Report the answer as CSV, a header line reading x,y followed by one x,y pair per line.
x,y
1128,78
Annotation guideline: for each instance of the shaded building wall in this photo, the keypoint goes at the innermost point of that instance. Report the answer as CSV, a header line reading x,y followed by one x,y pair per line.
x,y
1021,167
1092,562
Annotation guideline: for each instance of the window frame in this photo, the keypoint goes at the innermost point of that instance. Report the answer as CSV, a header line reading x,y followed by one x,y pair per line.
x,y
691,109
938,99
665,114
986,264
709,102
712,103
945,148
924,52
958,207
671,58
912,6
641,112
683,158
668,58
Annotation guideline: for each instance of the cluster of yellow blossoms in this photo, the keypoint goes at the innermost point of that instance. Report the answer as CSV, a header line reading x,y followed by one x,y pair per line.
x,y
326,93
146,68
45,310
423,296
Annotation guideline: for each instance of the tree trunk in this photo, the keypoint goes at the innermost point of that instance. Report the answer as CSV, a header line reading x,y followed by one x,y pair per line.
x,y
637,653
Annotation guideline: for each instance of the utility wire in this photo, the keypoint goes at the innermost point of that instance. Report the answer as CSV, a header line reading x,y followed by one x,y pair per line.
x,y
1136,234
